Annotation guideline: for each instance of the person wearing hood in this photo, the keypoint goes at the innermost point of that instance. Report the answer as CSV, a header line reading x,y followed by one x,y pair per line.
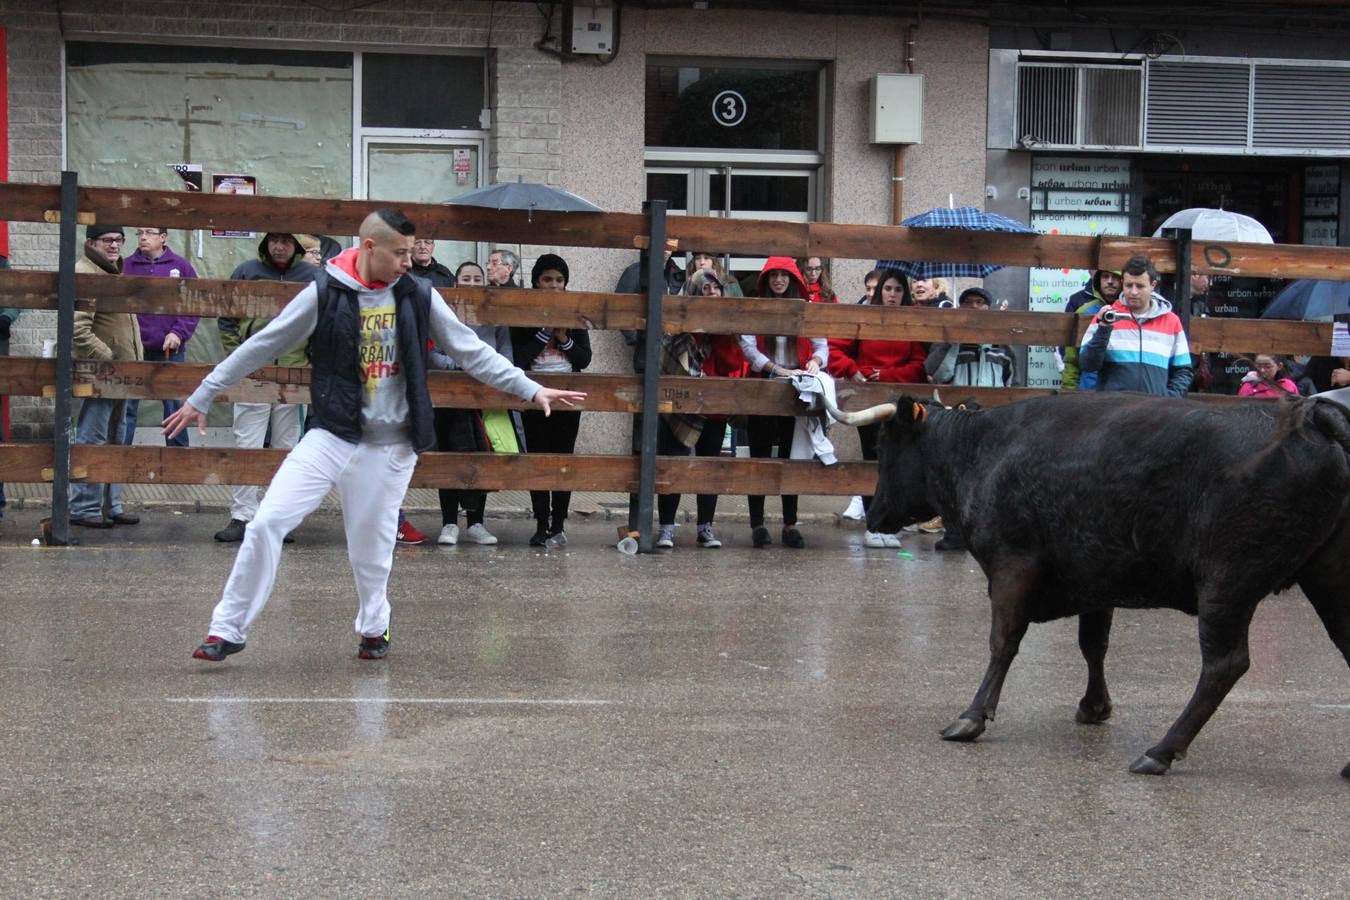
x,y
281,257
1138,343
369,325
163,337
550,350
776,356
694,355
1102,289
103,336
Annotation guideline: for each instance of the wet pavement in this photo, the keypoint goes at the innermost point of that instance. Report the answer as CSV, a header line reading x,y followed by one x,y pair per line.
x,y
695,723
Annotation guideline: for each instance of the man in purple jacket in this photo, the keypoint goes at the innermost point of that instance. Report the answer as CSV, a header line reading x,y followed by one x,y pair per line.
x,y
164,337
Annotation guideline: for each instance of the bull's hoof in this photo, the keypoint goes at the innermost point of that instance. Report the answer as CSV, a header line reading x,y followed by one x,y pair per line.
x,y
1147,765
1092,713
964,730
1345,773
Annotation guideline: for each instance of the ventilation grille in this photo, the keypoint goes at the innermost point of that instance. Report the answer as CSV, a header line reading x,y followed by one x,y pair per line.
x,y
1047,104
1198,104
1110,107
1301,107
1078,105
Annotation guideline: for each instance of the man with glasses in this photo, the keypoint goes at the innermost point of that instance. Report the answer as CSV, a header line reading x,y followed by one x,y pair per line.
x,y
164,337
104,336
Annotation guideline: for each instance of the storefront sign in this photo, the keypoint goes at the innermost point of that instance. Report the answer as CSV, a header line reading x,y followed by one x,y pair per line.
x,y
1085,201
233,184
729,109
1080,173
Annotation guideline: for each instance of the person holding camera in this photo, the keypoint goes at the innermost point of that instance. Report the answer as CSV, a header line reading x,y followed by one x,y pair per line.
x,y
1137,343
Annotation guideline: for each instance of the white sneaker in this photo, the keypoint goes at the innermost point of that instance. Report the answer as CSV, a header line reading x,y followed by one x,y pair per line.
x,y
449,535
665,539
873,539
891,540
479,535
855,509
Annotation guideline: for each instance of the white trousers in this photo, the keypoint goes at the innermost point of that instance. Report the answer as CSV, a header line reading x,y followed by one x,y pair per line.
x,y
370,479
250,430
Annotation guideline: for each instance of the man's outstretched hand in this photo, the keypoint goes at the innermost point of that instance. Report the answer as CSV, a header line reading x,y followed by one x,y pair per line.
x,y
184,416
544,398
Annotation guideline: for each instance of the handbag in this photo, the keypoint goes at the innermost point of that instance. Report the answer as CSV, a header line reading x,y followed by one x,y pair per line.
x,y
501,432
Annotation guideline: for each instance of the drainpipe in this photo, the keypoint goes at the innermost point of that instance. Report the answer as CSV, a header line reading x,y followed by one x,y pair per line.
x,y
898,177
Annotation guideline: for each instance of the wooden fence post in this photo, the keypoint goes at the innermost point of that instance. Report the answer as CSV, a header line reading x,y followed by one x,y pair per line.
x,y
651,375
59,535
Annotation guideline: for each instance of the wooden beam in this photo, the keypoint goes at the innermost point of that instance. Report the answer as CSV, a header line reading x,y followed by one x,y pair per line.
x,y
578,309
618,230
488,471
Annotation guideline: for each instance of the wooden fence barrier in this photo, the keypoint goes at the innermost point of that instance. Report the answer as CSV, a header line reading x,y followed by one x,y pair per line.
x,y
599,311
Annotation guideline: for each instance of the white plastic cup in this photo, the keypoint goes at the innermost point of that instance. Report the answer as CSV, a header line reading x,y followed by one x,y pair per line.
x,y
49,348
628,547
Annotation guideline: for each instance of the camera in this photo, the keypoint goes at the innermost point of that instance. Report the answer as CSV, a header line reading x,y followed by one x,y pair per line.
x,y
1109,316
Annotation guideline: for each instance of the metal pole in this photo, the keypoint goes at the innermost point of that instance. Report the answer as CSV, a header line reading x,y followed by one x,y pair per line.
x,y
656,289
65,358
1183,292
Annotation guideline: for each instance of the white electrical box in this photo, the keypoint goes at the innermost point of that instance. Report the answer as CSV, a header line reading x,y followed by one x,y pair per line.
x,y
897,109
593,28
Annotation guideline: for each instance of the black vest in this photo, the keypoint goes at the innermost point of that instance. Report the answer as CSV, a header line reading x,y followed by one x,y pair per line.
x,y
334,350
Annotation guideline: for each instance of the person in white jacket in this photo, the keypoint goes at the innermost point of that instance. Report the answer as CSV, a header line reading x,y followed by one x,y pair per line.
x,y
367,321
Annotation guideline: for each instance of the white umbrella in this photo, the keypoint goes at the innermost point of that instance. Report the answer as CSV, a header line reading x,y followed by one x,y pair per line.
x,y
1217,225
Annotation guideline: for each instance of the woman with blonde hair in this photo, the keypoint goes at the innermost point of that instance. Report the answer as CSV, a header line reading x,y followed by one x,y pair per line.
x,y
817,277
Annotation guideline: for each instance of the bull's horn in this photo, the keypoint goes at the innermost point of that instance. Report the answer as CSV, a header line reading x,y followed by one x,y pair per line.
x,y
938,399
878,413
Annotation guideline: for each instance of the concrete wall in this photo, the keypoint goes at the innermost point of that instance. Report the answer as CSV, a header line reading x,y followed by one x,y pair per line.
x,y
577,124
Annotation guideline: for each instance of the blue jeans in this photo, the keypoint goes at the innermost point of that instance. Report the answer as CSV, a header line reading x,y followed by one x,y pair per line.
x,y
170,406
96,426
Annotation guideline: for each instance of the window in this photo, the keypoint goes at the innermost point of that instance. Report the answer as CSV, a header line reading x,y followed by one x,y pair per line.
x,y
712,105
451,91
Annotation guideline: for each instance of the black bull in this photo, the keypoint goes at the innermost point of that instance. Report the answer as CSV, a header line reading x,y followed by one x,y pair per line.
x,y
1079,504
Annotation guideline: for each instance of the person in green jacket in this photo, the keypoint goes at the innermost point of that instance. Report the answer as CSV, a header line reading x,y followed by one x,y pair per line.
x,y
1102,290
280,258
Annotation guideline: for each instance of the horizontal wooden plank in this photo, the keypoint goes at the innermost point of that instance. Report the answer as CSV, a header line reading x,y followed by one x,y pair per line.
x,y
622,230
618,474
579,309
26,376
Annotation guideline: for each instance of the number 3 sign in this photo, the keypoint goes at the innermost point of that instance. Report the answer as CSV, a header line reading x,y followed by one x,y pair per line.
x,y
728,109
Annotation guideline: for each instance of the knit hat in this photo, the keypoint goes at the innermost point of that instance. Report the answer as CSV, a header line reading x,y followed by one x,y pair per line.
x,y
94,232
702,277
546,262
976,292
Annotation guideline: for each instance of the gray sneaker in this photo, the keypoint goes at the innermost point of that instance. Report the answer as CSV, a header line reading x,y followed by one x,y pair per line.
x,y
665,538
707,538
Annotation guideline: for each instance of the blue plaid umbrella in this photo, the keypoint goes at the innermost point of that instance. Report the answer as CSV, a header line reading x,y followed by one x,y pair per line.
x,y
966,217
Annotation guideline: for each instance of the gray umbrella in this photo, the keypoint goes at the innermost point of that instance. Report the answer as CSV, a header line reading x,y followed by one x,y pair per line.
x,y
1310,299
527,196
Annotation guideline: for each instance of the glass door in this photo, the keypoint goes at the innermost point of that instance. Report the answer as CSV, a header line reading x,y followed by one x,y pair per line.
x,y
736,192
424,171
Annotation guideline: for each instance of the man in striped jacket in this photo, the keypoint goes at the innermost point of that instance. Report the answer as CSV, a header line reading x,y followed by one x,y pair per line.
x,y
1137,343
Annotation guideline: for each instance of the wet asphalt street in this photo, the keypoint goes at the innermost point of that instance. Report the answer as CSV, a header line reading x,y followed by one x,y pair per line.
x,y
698,723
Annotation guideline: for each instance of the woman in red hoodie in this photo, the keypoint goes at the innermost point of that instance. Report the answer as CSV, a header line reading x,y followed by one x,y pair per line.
x,y
777,355
868,360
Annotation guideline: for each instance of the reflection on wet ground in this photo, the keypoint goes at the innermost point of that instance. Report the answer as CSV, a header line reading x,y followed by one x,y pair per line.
x,y
699,722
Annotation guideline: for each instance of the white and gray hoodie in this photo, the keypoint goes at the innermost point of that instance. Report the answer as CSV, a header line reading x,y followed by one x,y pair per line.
x,y
384,403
